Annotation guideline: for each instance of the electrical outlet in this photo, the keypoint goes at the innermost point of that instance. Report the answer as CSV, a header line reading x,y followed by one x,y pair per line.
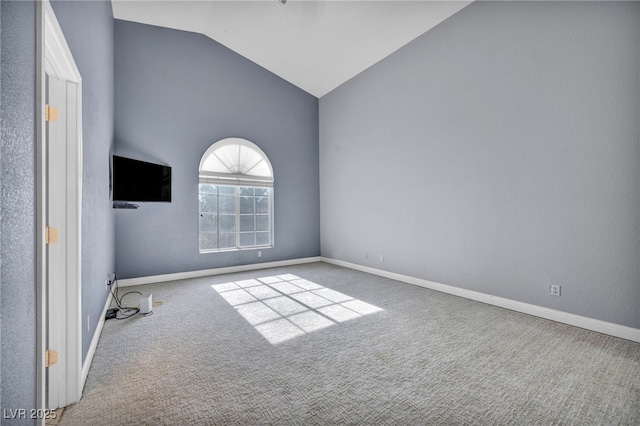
x,y
381,258
554,290
259,253
110,279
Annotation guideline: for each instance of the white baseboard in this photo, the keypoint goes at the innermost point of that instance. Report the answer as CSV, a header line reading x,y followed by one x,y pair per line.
x,y
217,271
94,343
599,326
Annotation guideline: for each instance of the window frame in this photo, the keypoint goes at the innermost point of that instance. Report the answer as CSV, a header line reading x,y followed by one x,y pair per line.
x,y
237,216
237,180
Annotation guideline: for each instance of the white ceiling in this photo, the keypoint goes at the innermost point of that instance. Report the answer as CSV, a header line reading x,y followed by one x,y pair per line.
x,y
316,45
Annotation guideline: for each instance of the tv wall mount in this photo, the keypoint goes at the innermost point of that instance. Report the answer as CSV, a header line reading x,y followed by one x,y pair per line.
x,y
124,205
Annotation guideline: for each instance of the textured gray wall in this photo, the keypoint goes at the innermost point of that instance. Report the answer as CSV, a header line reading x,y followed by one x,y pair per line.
x,y
498,153
88,29
0,211
17,206
176,94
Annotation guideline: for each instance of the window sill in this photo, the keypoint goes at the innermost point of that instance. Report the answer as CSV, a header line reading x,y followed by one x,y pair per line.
x,y
235,249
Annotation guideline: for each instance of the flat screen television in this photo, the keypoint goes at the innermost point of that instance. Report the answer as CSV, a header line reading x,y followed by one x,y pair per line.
x,y
135,180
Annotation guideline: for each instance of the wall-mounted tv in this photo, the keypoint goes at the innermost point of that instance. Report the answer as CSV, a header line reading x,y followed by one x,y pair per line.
x,y
135,180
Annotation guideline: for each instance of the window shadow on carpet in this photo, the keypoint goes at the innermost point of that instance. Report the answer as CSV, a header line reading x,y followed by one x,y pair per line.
x,y
282,307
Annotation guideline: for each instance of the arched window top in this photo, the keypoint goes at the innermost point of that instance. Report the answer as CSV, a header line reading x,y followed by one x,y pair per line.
x,y
236,161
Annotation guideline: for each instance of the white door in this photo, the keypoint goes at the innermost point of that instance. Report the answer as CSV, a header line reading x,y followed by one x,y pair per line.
x,y
61,133
59,206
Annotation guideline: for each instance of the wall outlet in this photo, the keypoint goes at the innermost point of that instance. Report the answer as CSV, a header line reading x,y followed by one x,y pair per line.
x,y
381,258
259,253
554,290
110,279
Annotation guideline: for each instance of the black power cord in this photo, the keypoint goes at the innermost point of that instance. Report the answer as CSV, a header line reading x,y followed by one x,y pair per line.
x,y
127,311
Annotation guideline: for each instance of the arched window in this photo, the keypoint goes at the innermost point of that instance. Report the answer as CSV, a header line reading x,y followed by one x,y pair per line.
x,y
236,197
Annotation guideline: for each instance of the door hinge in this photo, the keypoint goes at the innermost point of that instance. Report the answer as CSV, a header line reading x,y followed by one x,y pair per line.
x,y
50,357
50,113
51,235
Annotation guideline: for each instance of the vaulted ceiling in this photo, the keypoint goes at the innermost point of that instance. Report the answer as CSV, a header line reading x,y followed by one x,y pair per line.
x,y
315,45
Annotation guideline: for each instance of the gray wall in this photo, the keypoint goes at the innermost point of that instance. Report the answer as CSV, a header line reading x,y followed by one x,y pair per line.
x,y
176,94
88,29
17,206
498,153
0,210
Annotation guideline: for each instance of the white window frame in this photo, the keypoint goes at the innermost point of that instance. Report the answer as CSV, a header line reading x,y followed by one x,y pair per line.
x,y
234,178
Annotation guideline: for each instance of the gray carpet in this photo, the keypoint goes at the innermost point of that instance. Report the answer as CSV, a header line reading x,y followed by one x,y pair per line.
x,y
376,352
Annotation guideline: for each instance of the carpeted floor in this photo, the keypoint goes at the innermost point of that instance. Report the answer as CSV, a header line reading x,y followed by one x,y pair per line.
x,y
345,347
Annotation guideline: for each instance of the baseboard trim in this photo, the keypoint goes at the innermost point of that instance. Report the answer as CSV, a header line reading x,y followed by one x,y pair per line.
x,y
94,343
217,271
599,326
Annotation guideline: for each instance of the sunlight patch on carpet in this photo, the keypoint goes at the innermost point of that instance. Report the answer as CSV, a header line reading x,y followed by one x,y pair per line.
x,y
282,307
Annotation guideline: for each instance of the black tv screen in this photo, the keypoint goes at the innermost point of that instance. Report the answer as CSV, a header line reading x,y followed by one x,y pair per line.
x,y
135,180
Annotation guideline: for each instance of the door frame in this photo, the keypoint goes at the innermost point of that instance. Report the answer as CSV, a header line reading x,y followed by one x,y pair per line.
x,y
53,57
